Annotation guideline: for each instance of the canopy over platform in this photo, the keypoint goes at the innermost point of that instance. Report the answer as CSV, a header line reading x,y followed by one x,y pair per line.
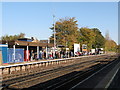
x,y
26,43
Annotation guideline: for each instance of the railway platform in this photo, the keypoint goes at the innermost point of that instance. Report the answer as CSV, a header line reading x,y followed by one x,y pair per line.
x,y
8,68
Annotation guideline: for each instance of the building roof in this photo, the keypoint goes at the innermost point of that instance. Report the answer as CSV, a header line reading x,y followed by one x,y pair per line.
x,y
24,39
43,41
25,43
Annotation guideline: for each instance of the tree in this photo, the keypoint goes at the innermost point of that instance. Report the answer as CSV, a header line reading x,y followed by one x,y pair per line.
x,y
110,45
99,39
86,36
21,35
8,38
118,49
92,37
66,32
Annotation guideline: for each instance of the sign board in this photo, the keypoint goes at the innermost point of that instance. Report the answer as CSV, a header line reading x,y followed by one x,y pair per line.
x,y
67,49
19,55
84,48
92,51
76,48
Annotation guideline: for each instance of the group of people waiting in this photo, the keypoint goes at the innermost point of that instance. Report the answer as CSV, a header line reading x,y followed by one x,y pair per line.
x,y
51,55
55,55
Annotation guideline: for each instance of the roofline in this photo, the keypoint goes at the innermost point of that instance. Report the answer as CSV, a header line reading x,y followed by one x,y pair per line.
x,y
25,43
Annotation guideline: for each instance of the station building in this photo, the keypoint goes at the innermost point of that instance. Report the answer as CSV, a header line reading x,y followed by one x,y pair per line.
x,y
22,49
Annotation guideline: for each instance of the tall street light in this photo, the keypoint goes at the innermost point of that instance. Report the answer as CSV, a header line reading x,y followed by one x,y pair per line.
x,y
54,36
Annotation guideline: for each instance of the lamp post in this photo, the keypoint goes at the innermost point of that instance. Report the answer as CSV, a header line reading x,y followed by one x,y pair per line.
x,y
54,36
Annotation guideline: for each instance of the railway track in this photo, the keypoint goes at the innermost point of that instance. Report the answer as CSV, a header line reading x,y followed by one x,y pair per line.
x,y
79,68
67,84
59,71
41,69
70,82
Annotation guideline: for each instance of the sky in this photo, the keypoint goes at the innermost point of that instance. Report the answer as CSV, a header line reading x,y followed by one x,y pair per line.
x,y
60,0
118,23
35,18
